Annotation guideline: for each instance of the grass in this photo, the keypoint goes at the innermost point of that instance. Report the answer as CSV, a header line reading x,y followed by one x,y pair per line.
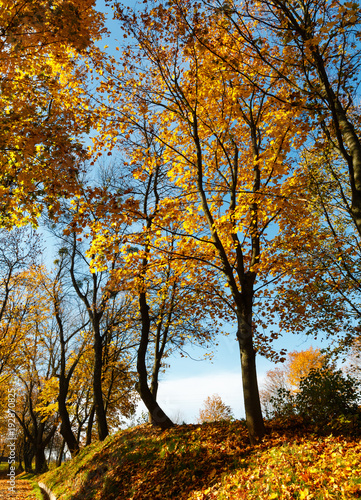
x,y
211,461
33,479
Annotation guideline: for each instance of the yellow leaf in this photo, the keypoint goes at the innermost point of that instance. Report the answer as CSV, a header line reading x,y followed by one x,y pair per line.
x,y
303,493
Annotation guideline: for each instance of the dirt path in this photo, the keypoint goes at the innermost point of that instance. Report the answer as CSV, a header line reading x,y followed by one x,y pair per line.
x,y
23,490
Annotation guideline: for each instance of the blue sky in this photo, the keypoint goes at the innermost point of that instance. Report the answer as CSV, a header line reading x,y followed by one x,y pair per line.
x,y
187,383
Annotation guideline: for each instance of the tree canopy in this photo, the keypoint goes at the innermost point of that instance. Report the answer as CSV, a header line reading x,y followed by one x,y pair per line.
x,y
233,196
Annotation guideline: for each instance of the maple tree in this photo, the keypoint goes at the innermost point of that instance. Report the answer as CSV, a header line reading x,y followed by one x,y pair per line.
x,y
300,363
95,300
53,362
177,321
226,146
214,409
23,311
67,333
30,374
37,432
107,314
170,310
44,48
19,250
212,110
313,48
319,294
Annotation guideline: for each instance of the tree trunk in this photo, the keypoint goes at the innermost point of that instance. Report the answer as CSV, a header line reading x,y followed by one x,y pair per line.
x,y
154,381
90,426
155,374
39,447
158,417
60,454
40,460
64,380
67,433
65,428
252,405
28,458
97,386
28,455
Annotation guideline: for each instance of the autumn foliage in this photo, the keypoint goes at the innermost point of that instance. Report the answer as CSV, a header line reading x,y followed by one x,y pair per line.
x,y
233,197
41,123
214,410
211,461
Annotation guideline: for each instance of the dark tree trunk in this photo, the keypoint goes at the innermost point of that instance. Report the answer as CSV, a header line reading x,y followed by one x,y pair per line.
x,y
242,295
158,417
90,426
64,381
155,374
39,447
28,459
65,428
60,454
251,398
28,455
97,386
67,433
160,344
95,312
252,404
40,460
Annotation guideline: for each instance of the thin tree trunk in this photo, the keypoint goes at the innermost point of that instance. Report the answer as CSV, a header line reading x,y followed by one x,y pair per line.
x,y
97,386
154,383
66,430
64,380
28,455
90,426
158,417
40,460
60,454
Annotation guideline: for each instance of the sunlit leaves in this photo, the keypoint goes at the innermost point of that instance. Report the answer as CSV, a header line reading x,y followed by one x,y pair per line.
x,y
43,119
213,461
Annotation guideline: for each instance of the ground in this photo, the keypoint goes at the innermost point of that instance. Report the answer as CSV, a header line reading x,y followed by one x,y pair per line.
x,y
23,489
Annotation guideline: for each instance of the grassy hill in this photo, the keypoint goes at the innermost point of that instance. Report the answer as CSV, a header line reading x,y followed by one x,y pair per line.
x,y
211,461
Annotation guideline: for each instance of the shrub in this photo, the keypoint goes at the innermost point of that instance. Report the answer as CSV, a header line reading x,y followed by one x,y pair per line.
x,y
327,399
326,395
283,404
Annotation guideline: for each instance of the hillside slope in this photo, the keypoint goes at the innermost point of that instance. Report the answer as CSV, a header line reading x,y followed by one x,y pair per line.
x,y
210,461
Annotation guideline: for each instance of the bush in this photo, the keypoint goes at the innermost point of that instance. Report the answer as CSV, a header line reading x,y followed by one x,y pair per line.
x,y
326,399
326,395
283,404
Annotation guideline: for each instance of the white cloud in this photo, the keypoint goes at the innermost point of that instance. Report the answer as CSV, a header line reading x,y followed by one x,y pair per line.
x,y
186,395
181,398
